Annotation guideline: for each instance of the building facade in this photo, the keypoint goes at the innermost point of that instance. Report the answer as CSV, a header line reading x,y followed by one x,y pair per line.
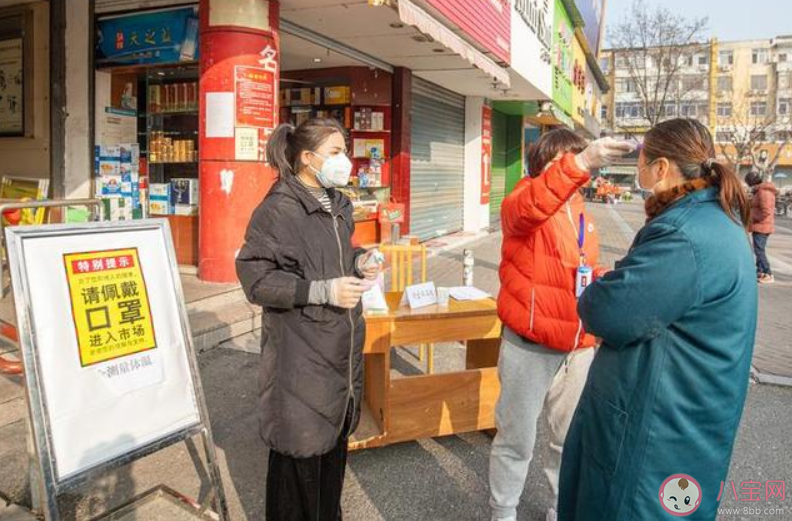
x,y
741,90
436,100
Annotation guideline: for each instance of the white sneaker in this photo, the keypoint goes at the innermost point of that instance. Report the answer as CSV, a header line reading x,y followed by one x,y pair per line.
x,y
495,518
551,515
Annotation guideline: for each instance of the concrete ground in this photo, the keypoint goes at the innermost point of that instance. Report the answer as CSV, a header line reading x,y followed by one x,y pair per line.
x,y
434,479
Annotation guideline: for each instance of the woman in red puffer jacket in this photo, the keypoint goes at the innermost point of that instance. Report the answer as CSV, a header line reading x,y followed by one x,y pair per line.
x,y
763,202
547,236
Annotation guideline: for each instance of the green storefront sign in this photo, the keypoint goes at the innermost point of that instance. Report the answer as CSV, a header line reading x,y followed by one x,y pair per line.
x,y
563,35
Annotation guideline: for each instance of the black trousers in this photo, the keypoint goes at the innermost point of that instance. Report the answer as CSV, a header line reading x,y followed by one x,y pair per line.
x,y
308,489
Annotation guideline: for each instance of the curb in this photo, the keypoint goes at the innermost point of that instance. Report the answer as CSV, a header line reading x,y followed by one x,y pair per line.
x,y
769,378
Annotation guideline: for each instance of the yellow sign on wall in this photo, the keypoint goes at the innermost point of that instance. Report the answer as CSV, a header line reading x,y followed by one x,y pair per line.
x,y
110,305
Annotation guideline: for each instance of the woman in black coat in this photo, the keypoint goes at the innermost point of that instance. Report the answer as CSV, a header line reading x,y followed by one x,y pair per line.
x,y
298,263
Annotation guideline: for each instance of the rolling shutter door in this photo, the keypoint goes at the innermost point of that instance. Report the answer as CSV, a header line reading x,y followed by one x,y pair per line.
x,y
437,162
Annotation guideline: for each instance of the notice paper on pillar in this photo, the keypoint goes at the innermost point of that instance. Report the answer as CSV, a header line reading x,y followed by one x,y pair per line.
x,y
103,328
256,105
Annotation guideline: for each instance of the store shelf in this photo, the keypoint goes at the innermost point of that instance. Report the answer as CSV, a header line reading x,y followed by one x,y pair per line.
x,y
173,162
191,112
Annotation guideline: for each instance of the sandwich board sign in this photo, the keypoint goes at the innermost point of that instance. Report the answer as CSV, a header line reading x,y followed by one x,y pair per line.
x,y
110,367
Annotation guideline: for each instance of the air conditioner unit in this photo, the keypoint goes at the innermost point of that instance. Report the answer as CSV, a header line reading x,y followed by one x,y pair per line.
x,y
703,68
725,68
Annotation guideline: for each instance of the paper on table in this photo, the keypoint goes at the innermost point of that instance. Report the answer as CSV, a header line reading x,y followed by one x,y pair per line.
x,y
374,299
468,293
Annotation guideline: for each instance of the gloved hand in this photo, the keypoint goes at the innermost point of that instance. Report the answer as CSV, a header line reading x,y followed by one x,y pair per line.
x,y
370,264
343,292
603,152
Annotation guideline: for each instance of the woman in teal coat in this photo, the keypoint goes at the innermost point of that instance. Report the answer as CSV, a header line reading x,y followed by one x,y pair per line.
x,y
654,430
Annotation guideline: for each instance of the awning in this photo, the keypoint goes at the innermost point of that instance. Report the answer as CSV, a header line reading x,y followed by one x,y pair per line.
x,y
547,113
411,14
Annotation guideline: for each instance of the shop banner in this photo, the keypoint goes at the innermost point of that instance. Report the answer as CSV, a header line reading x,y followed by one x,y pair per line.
x,y
163,36
12,121
104,329
486,153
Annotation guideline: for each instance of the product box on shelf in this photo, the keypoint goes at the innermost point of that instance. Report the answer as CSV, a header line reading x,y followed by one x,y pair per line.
x,y
129,153
185,209
115,209
337,95
159,199
184,191
108,161
303,96
109,186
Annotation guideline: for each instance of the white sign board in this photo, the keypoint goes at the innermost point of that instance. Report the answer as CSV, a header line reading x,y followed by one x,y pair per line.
x,y
421,295
104,338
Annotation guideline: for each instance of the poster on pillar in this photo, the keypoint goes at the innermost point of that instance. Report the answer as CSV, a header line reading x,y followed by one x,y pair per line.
x,y
254,91
252,101
486,153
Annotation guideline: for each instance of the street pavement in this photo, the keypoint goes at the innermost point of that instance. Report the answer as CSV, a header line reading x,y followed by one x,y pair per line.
x,y
434,479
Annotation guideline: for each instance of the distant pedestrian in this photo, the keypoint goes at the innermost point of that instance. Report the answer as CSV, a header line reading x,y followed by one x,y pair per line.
x,y
654,431
545,353
763,205
298,263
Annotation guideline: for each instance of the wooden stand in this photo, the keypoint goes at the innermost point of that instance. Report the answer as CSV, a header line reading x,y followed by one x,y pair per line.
x,y
425,406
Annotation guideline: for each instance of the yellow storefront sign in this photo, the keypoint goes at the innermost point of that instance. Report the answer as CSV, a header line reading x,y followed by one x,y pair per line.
x,y
110,305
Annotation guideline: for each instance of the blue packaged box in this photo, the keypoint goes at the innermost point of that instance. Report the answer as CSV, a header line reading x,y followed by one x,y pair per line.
x,y
184,191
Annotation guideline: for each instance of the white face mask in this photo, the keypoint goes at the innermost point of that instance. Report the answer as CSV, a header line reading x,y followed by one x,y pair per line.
x,y
335,171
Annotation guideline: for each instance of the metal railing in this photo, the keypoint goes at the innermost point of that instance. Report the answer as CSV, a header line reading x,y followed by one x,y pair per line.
x,y
8,331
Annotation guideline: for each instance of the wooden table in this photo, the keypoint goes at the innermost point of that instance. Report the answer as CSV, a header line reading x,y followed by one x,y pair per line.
x,y
414,407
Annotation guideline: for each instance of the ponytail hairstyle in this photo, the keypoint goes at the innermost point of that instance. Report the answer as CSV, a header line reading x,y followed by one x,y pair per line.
x,y
288,142
689,144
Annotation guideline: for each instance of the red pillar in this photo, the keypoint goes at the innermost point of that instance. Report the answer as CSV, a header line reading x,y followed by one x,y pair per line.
x,y
240,69
400,171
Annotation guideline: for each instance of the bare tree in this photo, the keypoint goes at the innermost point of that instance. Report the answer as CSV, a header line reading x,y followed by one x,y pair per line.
x,y
752,140
659,47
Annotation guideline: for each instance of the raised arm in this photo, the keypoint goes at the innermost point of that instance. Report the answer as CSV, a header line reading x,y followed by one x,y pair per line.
x,y
653,286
